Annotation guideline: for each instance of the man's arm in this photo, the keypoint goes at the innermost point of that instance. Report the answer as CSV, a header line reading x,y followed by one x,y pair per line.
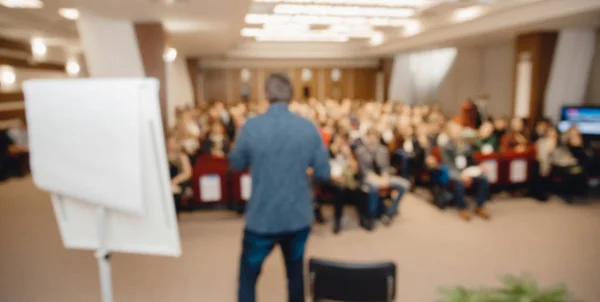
x,y
320,160
239,157
448,160
383,160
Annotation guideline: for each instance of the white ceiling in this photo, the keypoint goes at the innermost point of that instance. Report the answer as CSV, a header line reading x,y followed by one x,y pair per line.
x,y
211,28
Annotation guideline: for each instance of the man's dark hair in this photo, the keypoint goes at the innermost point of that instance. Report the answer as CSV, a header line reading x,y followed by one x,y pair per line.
x,y
279,89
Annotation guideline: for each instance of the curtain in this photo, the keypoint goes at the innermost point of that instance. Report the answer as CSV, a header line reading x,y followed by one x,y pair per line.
x,y
416,77
570,71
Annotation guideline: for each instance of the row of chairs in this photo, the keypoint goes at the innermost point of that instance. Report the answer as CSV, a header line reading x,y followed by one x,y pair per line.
x,y
214,184
506,170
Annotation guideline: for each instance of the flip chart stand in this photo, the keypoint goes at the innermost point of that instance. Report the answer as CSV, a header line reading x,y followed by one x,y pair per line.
x,y
103,257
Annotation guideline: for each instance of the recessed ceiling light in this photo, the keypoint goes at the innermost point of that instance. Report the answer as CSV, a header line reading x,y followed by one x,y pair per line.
x,y
69,13
467,13
328,10
38,48
376,39
73,67
22,3
170,54
7,76
412,28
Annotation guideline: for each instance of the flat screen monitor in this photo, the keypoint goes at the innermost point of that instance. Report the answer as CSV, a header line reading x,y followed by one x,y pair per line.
x,y
587,119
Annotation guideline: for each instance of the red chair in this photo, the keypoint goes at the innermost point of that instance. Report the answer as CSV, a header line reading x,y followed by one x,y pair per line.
x,y
492,166
210,171
518,167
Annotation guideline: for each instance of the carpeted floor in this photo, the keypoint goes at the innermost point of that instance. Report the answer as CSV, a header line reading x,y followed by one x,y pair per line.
x,y
554,242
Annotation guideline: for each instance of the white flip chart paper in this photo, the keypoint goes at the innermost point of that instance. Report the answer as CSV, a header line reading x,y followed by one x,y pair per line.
x,y
85,139
210,188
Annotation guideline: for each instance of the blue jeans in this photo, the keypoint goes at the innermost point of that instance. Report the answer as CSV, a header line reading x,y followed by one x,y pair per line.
x,y
405,158
256,247
376,206
481,184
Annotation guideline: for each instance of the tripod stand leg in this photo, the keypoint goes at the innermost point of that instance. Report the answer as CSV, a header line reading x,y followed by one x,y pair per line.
x,y
103,258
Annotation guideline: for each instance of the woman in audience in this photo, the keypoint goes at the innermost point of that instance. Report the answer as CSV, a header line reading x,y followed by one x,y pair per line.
x,y
180,170
500,125
516,139
576,149
216,142
486,142
555,158
422,151
541,127
344,170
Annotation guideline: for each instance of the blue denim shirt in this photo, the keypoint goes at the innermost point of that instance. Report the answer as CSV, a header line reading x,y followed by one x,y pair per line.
x,y
279,146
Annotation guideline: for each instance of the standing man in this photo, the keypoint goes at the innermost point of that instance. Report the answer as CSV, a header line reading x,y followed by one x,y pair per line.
x,y
278,147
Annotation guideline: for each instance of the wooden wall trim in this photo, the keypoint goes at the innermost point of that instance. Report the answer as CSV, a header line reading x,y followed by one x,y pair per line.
x,y
6,97
541,47
15,45
23,63
12,114
192,68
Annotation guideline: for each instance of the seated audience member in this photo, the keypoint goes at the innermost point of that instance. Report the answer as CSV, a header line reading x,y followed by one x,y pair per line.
x,y
188,133
180,170
516,139
217,141
500,128
540,129
373,159
464,172
5,157
486,141
422,149
344,171
555,158
14,148
575,145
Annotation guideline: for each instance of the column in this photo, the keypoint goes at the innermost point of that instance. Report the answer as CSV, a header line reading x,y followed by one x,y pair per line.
x,y
118,48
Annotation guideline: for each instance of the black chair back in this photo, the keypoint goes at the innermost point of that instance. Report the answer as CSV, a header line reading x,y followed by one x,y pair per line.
x,y
352,282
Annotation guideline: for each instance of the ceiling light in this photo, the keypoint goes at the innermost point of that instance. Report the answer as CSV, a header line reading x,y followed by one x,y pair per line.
x,y
276,35
73,67
38,48
389,3
69,13
301,38
170,54
329,10
376,39
412,28
339,34
466,14
325,20
22,3
286,26
7,76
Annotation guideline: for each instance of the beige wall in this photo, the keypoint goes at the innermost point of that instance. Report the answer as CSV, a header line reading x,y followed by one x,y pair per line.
x,y
593,89
476,70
